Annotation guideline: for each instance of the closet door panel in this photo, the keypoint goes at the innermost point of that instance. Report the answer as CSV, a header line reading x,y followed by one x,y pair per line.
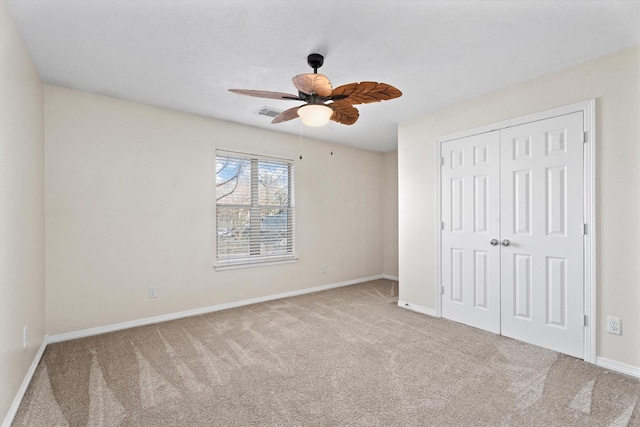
x,y
542,197
470,212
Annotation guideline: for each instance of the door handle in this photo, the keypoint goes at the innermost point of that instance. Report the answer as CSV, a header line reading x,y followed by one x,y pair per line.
x,y
506,242
494,242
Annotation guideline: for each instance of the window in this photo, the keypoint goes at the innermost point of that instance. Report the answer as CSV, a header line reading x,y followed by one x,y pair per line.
x,y
254,210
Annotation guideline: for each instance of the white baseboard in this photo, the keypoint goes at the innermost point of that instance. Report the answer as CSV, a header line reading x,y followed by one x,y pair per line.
x,y
389,277
623,368
13,409
417,308
172,316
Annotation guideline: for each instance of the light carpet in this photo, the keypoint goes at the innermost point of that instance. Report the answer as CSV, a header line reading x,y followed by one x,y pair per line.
x,y
344,357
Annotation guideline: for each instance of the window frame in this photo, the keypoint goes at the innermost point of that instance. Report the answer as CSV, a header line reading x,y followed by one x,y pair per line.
x,y
257,259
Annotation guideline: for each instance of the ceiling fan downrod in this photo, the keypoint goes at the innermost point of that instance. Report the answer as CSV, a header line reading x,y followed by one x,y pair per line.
x,y
315,61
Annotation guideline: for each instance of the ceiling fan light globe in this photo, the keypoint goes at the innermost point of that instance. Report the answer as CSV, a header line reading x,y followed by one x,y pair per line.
x,y
315,115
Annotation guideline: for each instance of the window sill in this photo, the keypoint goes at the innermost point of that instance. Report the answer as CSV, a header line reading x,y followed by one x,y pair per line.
x,y
240,264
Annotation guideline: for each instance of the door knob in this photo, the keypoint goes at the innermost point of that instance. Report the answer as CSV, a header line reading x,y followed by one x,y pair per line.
x,y
506,242
494,242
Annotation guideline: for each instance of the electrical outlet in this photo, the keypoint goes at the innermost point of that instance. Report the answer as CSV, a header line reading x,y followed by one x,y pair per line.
x,y
323,269
613,325
153,292
25,336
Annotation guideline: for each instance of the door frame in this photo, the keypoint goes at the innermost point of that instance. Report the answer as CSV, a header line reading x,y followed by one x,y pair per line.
x,y
588,108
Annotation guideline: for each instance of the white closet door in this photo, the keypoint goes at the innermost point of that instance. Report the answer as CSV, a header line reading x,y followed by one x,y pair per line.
x,y
542,200
471,219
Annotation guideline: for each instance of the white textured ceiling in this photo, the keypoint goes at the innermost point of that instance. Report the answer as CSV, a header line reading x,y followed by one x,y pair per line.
x,y
185,54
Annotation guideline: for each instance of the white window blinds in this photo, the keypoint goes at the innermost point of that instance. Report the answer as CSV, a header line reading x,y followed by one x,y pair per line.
x,y
254,209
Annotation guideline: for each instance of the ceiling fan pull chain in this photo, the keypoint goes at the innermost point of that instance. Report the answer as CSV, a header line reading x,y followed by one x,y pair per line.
x,y
300,133
331,137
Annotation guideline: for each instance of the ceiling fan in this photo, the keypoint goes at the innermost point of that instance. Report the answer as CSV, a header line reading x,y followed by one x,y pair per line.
x,y
323,103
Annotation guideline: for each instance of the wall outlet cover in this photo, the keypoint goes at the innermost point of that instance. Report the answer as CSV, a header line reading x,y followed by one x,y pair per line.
x,y
613,325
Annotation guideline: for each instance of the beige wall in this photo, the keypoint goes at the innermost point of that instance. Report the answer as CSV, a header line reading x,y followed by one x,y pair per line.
x,y
390,213
130,204
614,81
22,291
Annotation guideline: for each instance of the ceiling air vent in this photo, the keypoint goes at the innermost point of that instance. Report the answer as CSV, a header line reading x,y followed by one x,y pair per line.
x,y
269,111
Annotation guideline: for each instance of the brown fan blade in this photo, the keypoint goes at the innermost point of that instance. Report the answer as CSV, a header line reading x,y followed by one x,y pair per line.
x,y
286,115
265,94
344,112
365,92
318,83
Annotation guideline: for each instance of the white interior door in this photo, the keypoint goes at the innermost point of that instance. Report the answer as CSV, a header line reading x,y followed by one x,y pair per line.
x,y
471,219
542,219
521,187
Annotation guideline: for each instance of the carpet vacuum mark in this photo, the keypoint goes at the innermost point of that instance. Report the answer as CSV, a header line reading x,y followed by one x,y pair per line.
x,y
347,356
